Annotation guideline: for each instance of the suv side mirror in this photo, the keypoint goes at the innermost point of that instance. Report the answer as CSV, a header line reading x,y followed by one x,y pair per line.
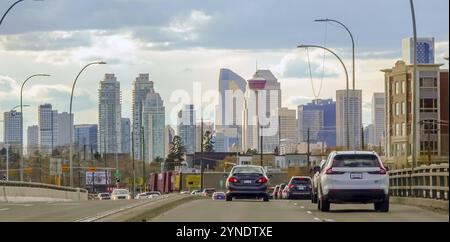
x,y
316,169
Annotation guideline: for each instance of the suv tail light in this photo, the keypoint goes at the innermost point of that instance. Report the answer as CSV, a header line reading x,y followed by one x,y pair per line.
x,y
330,171
262,180
290,186
232,179
382,171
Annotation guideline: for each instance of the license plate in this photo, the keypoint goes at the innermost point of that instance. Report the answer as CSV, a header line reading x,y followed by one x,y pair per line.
x,y
356,175
247,182
301,187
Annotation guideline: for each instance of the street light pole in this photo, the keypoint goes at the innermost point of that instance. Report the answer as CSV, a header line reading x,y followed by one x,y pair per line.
x,y
414,94
347,140
21,121
353,43
72,119
14,4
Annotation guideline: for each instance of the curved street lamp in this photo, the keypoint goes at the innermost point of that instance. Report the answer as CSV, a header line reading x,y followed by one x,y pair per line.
x,y
21,120
70,116
351,37
14,4
346,75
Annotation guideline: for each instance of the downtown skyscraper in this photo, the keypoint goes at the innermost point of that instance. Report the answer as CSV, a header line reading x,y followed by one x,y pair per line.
x,y
229,118
354,111
319,116
109,115
186,128
378,119
141,87
12,129
48,128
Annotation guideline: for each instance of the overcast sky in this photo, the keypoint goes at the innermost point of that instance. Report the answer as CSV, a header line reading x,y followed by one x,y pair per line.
x,y
182,42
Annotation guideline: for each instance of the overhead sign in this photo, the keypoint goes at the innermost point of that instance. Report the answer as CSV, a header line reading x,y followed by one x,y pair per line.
x,y
99,178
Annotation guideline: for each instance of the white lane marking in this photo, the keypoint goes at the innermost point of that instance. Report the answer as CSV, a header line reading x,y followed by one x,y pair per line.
x,y
28,205
308,212
328,220
3,209
302,207
295,204
317,219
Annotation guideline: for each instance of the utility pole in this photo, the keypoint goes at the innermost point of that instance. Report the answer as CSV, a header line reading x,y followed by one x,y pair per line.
x,y
307,151
134,171
362,138
261,148
201,154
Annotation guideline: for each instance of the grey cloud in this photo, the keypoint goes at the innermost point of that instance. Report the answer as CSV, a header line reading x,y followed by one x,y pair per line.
x,y
38,41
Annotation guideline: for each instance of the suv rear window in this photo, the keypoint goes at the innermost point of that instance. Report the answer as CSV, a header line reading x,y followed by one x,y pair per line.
x,y
355,160
300,181
248,169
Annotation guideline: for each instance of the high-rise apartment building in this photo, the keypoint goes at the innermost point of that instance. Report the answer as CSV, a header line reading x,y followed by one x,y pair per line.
x,y
65,123
86,138
141,87
109,113
32,139
153,121
12,129
126,136
48,128
378,116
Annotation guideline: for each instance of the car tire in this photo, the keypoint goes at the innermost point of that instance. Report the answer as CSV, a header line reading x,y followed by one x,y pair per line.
x,y
324,205
229,198
382,206
266,198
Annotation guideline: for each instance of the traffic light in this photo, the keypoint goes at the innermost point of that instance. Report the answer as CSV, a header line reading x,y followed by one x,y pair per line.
x,y
117,180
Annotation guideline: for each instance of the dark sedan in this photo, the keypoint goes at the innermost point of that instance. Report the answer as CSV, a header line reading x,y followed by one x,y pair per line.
x,y
247,181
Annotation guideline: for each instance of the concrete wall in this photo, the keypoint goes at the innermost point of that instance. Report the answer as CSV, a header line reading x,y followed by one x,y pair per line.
x,y
35,192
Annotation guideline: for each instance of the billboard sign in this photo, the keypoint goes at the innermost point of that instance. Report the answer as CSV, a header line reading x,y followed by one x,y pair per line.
x,y
99,177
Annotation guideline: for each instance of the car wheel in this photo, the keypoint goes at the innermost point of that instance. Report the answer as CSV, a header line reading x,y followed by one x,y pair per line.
x,y
382,206
324,205
229,198
266,198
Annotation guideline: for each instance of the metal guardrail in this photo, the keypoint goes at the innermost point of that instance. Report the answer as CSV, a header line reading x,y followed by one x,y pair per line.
x,y
41,185
424,182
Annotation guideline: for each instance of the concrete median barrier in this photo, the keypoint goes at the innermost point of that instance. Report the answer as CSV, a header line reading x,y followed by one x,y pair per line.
x,y
422,202
37,192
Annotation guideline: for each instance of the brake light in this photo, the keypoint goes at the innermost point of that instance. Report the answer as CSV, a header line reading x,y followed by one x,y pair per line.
x,y
291,186
382,171
262,180
330,171
232,179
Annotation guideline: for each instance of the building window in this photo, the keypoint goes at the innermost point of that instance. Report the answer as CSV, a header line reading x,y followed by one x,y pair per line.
x,y
404,129
403,107
397,130
428,105
397,88
397,109
428,82
403,86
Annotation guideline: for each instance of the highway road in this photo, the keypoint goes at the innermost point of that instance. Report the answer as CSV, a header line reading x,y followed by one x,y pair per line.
x,y
58,211
292,211
206,210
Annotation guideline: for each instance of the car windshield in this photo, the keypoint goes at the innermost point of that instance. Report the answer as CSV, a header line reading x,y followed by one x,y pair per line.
x,y
355,160
300,181
248,169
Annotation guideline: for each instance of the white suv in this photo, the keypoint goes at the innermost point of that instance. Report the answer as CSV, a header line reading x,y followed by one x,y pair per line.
x,y
353,177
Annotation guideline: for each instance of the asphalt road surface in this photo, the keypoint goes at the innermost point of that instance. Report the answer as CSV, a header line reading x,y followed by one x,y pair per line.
x,y
58,211
293,211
